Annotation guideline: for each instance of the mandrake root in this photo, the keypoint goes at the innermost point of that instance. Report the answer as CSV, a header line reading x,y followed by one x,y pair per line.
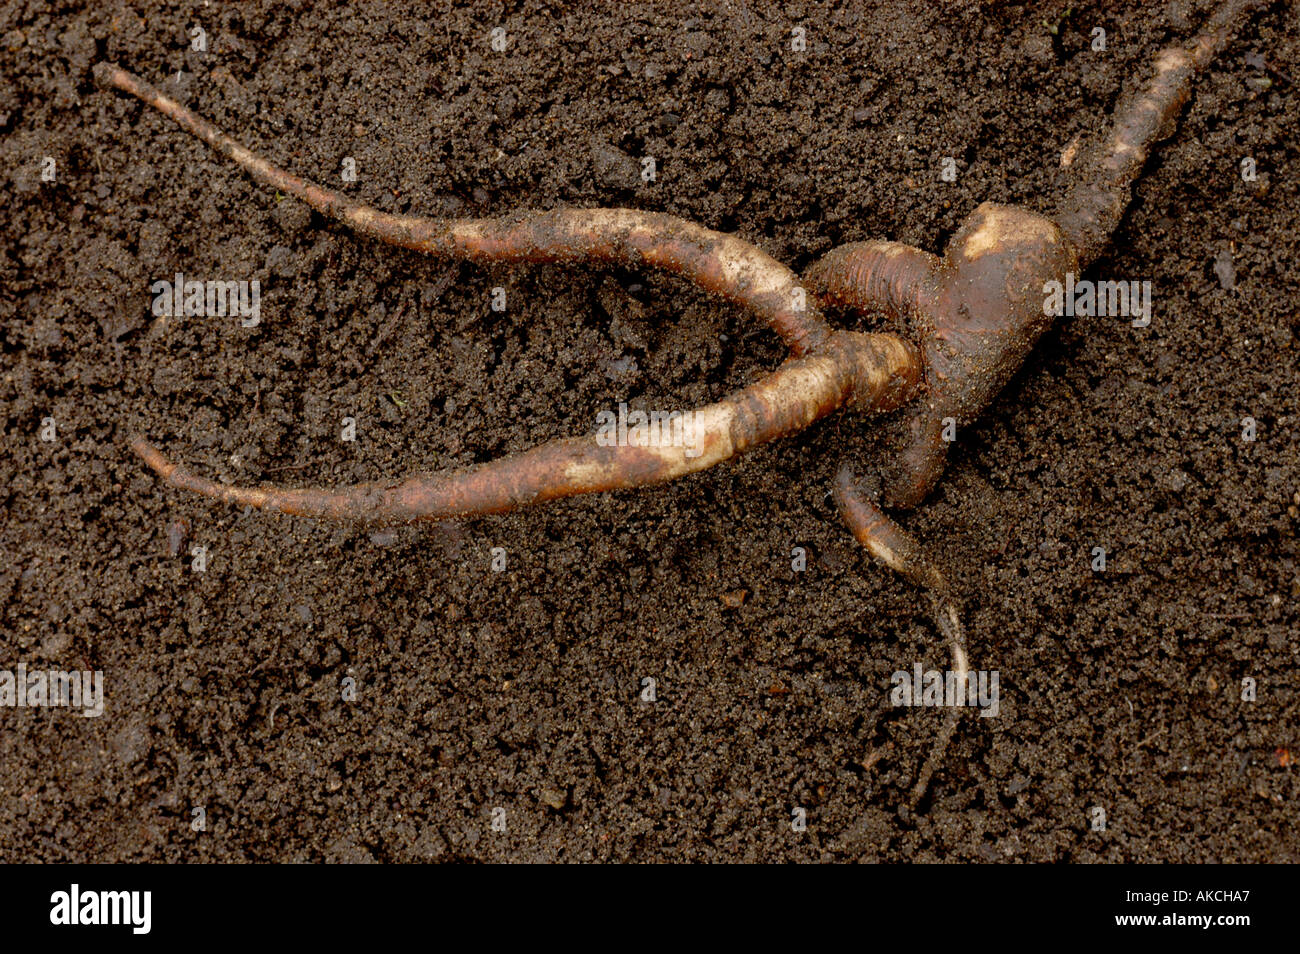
x,y
973,314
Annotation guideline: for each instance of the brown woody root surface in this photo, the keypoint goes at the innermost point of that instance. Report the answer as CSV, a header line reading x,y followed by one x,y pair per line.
x,y
879,371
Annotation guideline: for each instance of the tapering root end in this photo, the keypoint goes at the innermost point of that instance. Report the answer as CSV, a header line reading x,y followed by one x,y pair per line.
x,y
949,623
1104,176
174,475
899,550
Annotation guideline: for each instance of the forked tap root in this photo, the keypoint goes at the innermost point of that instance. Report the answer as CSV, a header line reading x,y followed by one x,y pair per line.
x,y
973,314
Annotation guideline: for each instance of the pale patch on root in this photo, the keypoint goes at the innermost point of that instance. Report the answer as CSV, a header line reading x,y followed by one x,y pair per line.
x,y
1001,227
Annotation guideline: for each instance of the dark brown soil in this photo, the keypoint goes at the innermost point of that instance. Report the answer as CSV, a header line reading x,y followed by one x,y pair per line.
x,y
522,689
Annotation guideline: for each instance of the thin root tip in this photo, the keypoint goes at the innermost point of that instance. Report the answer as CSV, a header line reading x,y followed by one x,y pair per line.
x,y
948,620
151,456
106,73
